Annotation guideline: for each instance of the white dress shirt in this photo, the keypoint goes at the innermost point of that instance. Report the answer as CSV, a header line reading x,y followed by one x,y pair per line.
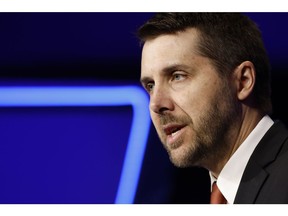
x,y
231,174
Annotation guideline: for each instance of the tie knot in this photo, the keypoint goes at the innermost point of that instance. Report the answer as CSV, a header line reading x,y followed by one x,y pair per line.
x,y
216,195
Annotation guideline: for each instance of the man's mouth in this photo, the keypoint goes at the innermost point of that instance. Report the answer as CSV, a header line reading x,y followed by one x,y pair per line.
x,y
172,129
173,133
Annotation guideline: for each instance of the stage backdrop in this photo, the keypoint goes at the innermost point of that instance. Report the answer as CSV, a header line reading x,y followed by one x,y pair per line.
x,y
74,122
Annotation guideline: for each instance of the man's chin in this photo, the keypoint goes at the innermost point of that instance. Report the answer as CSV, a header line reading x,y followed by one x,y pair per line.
x,y
184,158
179,161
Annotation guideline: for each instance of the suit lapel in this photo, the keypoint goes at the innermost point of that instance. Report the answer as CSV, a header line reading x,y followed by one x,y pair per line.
x,y
250,184
255,175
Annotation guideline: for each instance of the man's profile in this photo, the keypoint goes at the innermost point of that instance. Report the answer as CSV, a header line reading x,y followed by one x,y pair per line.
x,y
208,78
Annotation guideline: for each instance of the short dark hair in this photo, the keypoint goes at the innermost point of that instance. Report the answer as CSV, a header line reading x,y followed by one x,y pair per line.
x,y
228,39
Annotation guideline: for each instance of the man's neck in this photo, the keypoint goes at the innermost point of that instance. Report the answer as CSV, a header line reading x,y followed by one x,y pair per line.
x,y
237,136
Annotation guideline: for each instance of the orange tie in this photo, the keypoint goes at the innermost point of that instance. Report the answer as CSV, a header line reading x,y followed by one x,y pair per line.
x,y
216,195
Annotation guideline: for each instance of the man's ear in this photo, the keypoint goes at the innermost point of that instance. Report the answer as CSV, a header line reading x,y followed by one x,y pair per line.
x,y
245,77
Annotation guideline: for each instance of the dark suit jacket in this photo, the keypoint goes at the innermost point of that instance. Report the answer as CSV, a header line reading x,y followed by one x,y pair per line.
x,y
265,179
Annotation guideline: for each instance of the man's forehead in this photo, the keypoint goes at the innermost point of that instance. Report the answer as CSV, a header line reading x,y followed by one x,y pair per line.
x,y
169,49
171,43
188,31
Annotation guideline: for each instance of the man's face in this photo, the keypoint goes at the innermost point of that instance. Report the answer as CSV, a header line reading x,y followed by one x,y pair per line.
x,y
190,106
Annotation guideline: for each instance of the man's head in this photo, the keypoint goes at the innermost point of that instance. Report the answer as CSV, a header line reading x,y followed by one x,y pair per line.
x,y
228,39
199,69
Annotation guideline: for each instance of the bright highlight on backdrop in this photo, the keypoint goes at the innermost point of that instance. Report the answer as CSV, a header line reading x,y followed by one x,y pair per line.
x,y
71,144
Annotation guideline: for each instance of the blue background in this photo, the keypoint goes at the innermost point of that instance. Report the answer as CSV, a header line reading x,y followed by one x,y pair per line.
x,y
62,155
91,49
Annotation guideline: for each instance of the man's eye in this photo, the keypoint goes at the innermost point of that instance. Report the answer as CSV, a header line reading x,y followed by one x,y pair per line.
x,y
150,86
178,77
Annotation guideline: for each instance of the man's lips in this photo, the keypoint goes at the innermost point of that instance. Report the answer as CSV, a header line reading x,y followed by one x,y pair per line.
x,y
170,129
173,134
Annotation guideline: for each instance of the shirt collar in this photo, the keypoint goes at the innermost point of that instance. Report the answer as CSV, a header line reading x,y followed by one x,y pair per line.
x,y
231,174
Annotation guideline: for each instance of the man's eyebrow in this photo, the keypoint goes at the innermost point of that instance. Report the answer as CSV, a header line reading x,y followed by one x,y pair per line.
x,y
174,67
166,70
144,80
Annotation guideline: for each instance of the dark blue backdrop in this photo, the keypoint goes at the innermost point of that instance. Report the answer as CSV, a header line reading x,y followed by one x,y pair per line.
x,y
90,49
62,155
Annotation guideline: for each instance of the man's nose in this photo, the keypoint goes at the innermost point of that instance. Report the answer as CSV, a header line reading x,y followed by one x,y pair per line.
x,y
160,101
